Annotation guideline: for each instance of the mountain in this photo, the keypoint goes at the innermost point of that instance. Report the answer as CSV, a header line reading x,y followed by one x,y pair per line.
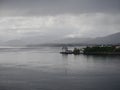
x,y
72,40
110,39
39,40
31,40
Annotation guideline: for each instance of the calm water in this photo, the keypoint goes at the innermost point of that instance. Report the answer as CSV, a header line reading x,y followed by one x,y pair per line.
x,y
46,69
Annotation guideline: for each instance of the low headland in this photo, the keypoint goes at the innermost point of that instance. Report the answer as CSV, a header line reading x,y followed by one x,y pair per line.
x,y
94,50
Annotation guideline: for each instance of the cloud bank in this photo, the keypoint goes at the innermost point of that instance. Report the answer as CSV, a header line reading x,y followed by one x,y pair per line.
x,y
58,18
56,7
83,25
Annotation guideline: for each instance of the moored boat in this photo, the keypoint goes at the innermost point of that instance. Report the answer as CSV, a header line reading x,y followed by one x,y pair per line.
x,y
66,51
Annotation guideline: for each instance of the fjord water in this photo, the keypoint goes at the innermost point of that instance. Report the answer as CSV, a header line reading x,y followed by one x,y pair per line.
x,y
46,69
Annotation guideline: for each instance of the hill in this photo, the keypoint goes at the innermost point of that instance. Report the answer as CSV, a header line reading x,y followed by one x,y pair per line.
x,y
110,39
38,41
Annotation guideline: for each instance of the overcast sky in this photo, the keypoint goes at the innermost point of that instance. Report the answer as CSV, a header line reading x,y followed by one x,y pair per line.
x,y
61,18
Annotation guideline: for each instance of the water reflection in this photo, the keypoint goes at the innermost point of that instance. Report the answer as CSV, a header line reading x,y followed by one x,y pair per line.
x,y
64,56
34,70
102,58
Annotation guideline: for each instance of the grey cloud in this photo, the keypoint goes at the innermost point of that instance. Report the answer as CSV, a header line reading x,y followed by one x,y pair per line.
x,y
59,18
84,25
53,7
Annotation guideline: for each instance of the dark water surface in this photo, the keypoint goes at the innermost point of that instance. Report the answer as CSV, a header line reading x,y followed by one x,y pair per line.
x,y
46,69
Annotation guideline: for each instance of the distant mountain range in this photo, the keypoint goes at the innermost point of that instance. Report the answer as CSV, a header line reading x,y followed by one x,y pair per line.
x,y
110,39
38,41
31,40
72,40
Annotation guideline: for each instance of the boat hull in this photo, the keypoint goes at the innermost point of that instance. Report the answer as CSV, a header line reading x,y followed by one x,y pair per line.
x,y
66,52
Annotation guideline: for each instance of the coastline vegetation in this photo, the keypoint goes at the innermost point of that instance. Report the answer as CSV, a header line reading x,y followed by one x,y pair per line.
x,y
102,50
94,50
76,51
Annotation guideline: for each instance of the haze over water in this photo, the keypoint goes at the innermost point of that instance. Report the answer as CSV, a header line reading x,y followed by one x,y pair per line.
x,y
46,69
